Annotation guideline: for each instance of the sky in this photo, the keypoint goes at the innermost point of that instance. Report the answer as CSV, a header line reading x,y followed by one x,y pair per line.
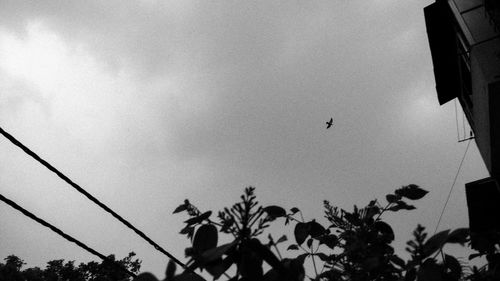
x,y
147,103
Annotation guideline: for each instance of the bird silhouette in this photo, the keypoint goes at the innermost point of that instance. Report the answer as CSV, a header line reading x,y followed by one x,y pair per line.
x,y
329,123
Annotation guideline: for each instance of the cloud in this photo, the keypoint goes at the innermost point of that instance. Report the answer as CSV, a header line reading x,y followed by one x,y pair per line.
x,y
150,102
244,86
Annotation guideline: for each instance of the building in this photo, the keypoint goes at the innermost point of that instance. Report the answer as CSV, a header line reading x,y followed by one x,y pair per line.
x,y
464,39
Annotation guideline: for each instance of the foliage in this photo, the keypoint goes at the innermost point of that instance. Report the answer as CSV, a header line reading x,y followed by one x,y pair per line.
x,y
245,221
353,246
58,270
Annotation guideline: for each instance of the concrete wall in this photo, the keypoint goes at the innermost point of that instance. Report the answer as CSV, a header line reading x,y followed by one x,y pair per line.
x,y
475,24
485,71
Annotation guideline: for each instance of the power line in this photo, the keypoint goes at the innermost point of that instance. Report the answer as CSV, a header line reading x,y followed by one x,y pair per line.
x,y
88,195
64,235
452,185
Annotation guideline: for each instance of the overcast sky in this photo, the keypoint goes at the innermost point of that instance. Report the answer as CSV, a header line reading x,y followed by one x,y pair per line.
x,y
147,103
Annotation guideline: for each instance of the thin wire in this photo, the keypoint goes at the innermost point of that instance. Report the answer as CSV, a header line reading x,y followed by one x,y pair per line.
x,y
463,121
456,120
88,195
64,235
452,185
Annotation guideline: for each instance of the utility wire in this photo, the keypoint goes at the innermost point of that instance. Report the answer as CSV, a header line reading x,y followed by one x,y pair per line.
x,y
463,122
456,119
64,235
89,196
452,185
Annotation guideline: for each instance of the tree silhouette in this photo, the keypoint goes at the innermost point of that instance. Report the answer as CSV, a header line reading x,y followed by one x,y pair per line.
x,y
58,270
354,245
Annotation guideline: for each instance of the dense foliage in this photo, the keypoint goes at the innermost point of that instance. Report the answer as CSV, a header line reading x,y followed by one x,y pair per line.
x,y
352,245
58,270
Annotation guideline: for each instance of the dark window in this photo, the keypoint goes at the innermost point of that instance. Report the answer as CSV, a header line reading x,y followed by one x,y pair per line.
x,y
442,35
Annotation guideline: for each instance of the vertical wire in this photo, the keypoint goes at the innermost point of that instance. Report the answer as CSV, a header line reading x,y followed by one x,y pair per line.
x,y
456,120
463,122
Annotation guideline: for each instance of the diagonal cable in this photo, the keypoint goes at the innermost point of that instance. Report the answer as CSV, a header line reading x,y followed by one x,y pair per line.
x,y
64,235
452,185
89,196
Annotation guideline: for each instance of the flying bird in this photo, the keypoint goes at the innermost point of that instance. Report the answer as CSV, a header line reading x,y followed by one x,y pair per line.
x,y
329,123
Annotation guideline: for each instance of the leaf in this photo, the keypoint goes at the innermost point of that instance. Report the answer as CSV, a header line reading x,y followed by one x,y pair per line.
x,y
353,218
301,232
398,261
322,256
263,252
146,276
189,230
217,252
219,267
475,255
459,236
275,211
188,276
180,208
391,198
294,210
315,229
371,211
394,208
384,229
309,243
329,240
411,274
199,218
435,242
205,215
333,274
401,205
205,238
404,206
412,192
453,266
293,247
213,257
250,265
372,203
430,271
271,275
282,239
170,272
302,257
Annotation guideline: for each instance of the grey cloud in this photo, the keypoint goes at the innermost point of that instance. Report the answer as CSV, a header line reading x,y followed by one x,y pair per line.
x,y
236,93
271,72
16,93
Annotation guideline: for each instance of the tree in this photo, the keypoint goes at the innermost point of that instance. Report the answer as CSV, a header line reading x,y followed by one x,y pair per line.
x,y
353,246
58,270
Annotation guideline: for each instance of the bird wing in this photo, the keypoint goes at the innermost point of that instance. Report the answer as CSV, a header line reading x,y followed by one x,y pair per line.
x,y
329,123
